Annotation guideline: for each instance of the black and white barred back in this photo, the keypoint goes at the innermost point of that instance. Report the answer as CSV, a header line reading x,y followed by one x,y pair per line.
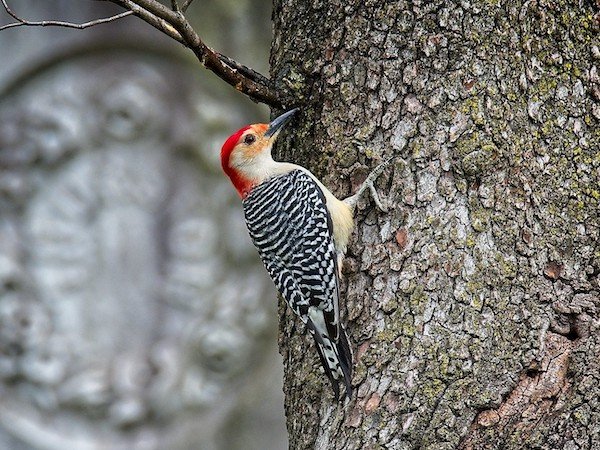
x,y
289,224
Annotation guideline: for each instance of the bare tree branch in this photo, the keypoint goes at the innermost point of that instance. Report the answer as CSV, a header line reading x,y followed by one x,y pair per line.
x,y
20,22
244,70
159,10
151,19
174,24
242,78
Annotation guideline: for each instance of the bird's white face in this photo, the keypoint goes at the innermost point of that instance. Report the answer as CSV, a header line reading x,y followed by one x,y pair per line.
x,y
246,154
246,157
252,151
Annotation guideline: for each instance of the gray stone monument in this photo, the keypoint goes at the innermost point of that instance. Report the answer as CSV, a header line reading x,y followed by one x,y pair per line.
x,y
134,313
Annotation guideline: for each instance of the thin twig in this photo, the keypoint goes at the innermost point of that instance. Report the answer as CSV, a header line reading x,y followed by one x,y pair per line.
x,y
20,22
174,5
186,4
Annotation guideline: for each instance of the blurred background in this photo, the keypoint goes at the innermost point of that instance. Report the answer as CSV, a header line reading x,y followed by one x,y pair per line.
x,y
134,312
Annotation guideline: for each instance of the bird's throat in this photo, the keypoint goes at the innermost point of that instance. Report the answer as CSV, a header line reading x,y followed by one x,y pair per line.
x,y
242,184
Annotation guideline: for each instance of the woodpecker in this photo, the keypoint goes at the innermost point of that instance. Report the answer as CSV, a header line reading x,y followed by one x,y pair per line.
x,y
301,231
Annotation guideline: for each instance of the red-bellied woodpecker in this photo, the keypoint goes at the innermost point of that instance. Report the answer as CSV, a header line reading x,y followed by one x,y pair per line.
x,y
301,232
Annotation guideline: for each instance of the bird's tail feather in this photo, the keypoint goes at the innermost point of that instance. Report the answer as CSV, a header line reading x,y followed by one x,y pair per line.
x,y
345,356
336,360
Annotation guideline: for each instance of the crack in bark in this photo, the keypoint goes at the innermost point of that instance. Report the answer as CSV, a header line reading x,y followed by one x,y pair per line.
x,y
536,395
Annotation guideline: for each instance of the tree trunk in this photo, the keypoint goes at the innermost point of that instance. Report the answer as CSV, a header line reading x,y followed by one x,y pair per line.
x,y
472,305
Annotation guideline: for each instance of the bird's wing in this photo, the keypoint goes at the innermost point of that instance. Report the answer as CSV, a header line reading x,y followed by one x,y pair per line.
x,y
290,225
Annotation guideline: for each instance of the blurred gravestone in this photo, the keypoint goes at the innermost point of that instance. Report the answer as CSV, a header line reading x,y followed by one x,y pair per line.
x,y
133,311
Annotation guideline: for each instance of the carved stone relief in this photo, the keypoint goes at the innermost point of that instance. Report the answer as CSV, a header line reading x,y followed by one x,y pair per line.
x,y
132,311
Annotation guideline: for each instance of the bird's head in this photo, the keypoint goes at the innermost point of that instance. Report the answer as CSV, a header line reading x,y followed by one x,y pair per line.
x,y
246,154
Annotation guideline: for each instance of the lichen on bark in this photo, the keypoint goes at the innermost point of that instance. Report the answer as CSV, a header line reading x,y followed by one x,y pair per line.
x,y
486,266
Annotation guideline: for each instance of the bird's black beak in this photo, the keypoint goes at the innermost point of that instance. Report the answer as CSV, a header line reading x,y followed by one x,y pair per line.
x,y
276,125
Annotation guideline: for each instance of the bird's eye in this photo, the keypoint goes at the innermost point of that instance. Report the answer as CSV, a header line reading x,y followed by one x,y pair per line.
x,y
249,139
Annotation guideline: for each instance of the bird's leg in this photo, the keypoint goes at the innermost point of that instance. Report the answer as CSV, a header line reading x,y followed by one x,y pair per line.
x,y
368,184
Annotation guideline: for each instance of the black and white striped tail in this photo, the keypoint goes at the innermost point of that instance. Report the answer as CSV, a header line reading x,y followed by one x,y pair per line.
x,y
336,359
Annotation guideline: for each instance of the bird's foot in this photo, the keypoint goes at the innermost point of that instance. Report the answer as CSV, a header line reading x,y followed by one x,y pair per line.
x,y
369,184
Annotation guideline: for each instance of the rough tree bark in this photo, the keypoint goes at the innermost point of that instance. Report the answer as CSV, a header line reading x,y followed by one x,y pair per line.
x,y
473,304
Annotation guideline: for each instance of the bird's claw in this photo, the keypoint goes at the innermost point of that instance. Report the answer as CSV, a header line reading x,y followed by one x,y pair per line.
x,y
376,199
369,184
